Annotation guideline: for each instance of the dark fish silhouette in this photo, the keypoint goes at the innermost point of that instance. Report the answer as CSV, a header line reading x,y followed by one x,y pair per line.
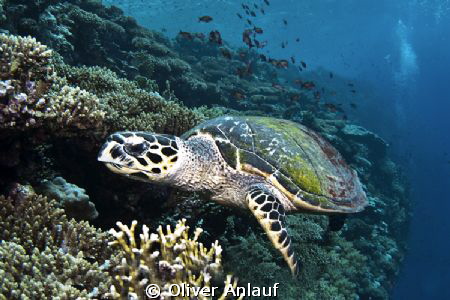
x,y
303,64
267,2
308,85
285,22
258,30
353,105
246,38
350,84
353,91
252,13
239,15
297,40
205,19
293,59
331,75
263,57
249,22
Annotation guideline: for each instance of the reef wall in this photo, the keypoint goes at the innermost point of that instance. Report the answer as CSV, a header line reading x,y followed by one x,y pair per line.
x,y
73,72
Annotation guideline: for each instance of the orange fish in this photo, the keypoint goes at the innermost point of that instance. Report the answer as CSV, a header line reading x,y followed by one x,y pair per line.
x,y
309,85
258,30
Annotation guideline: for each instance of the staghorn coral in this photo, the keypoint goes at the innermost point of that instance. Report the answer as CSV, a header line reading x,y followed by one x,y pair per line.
x,y
165,258
44,255
32,95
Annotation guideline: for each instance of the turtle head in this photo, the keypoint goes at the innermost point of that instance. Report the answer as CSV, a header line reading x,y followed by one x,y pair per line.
x,y
141,155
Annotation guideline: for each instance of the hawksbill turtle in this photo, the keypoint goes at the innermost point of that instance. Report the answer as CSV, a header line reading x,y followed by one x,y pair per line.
x,y
265,165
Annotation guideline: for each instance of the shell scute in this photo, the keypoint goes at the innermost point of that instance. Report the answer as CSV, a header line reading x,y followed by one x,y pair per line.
x,y
294,159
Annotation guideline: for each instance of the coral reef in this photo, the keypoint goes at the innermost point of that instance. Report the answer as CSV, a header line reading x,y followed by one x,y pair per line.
x,y
32,95
106,73
44,255
72,198
164,259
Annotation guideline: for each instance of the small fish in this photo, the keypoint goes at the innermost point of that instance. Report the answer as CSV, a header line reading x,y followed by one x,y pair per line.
x,y
353,105
258,30
353,91
246,38
247,12
226,53
186,35
263,57
205,19
309,85
260,44
163,30
256,6
351,84
239,15
292,59
282,63
249,22
300,69
297,40
215,37
267,2
303,64
252,13
331,75
285,22
262,11
298,81
283,45
242,54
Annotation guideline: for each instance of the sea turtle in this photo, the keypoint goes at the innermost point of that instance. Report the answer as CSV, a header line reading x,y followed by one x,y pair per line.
x,y
266,165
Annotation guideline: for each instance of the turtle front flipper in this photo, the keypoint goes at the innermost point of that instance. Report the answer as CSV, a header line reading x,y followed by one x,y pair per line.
x,y
269,212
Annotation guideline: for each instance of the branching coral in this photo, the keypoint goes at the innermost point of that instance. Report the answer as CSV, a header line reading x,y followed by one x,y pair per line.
x,y
32,95
44,255
129,107
164,259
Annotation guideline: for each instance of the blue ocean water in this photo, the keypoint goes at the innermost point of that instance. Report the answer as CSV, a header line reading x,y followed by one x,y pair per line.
x,y
401,50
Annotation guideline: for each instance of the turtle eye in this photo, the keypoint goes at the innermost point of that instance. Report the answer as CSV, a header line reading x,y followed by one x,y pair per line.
x,y
135,149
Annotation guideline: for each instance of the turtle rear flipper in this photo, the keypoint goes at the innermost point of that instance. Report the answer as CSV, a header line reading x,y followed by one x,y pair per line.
x,y
270,214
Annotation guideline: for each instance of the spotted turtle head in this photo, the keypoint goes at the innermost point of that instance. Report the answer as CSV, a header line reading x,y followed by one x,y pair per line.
x,y
141,155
